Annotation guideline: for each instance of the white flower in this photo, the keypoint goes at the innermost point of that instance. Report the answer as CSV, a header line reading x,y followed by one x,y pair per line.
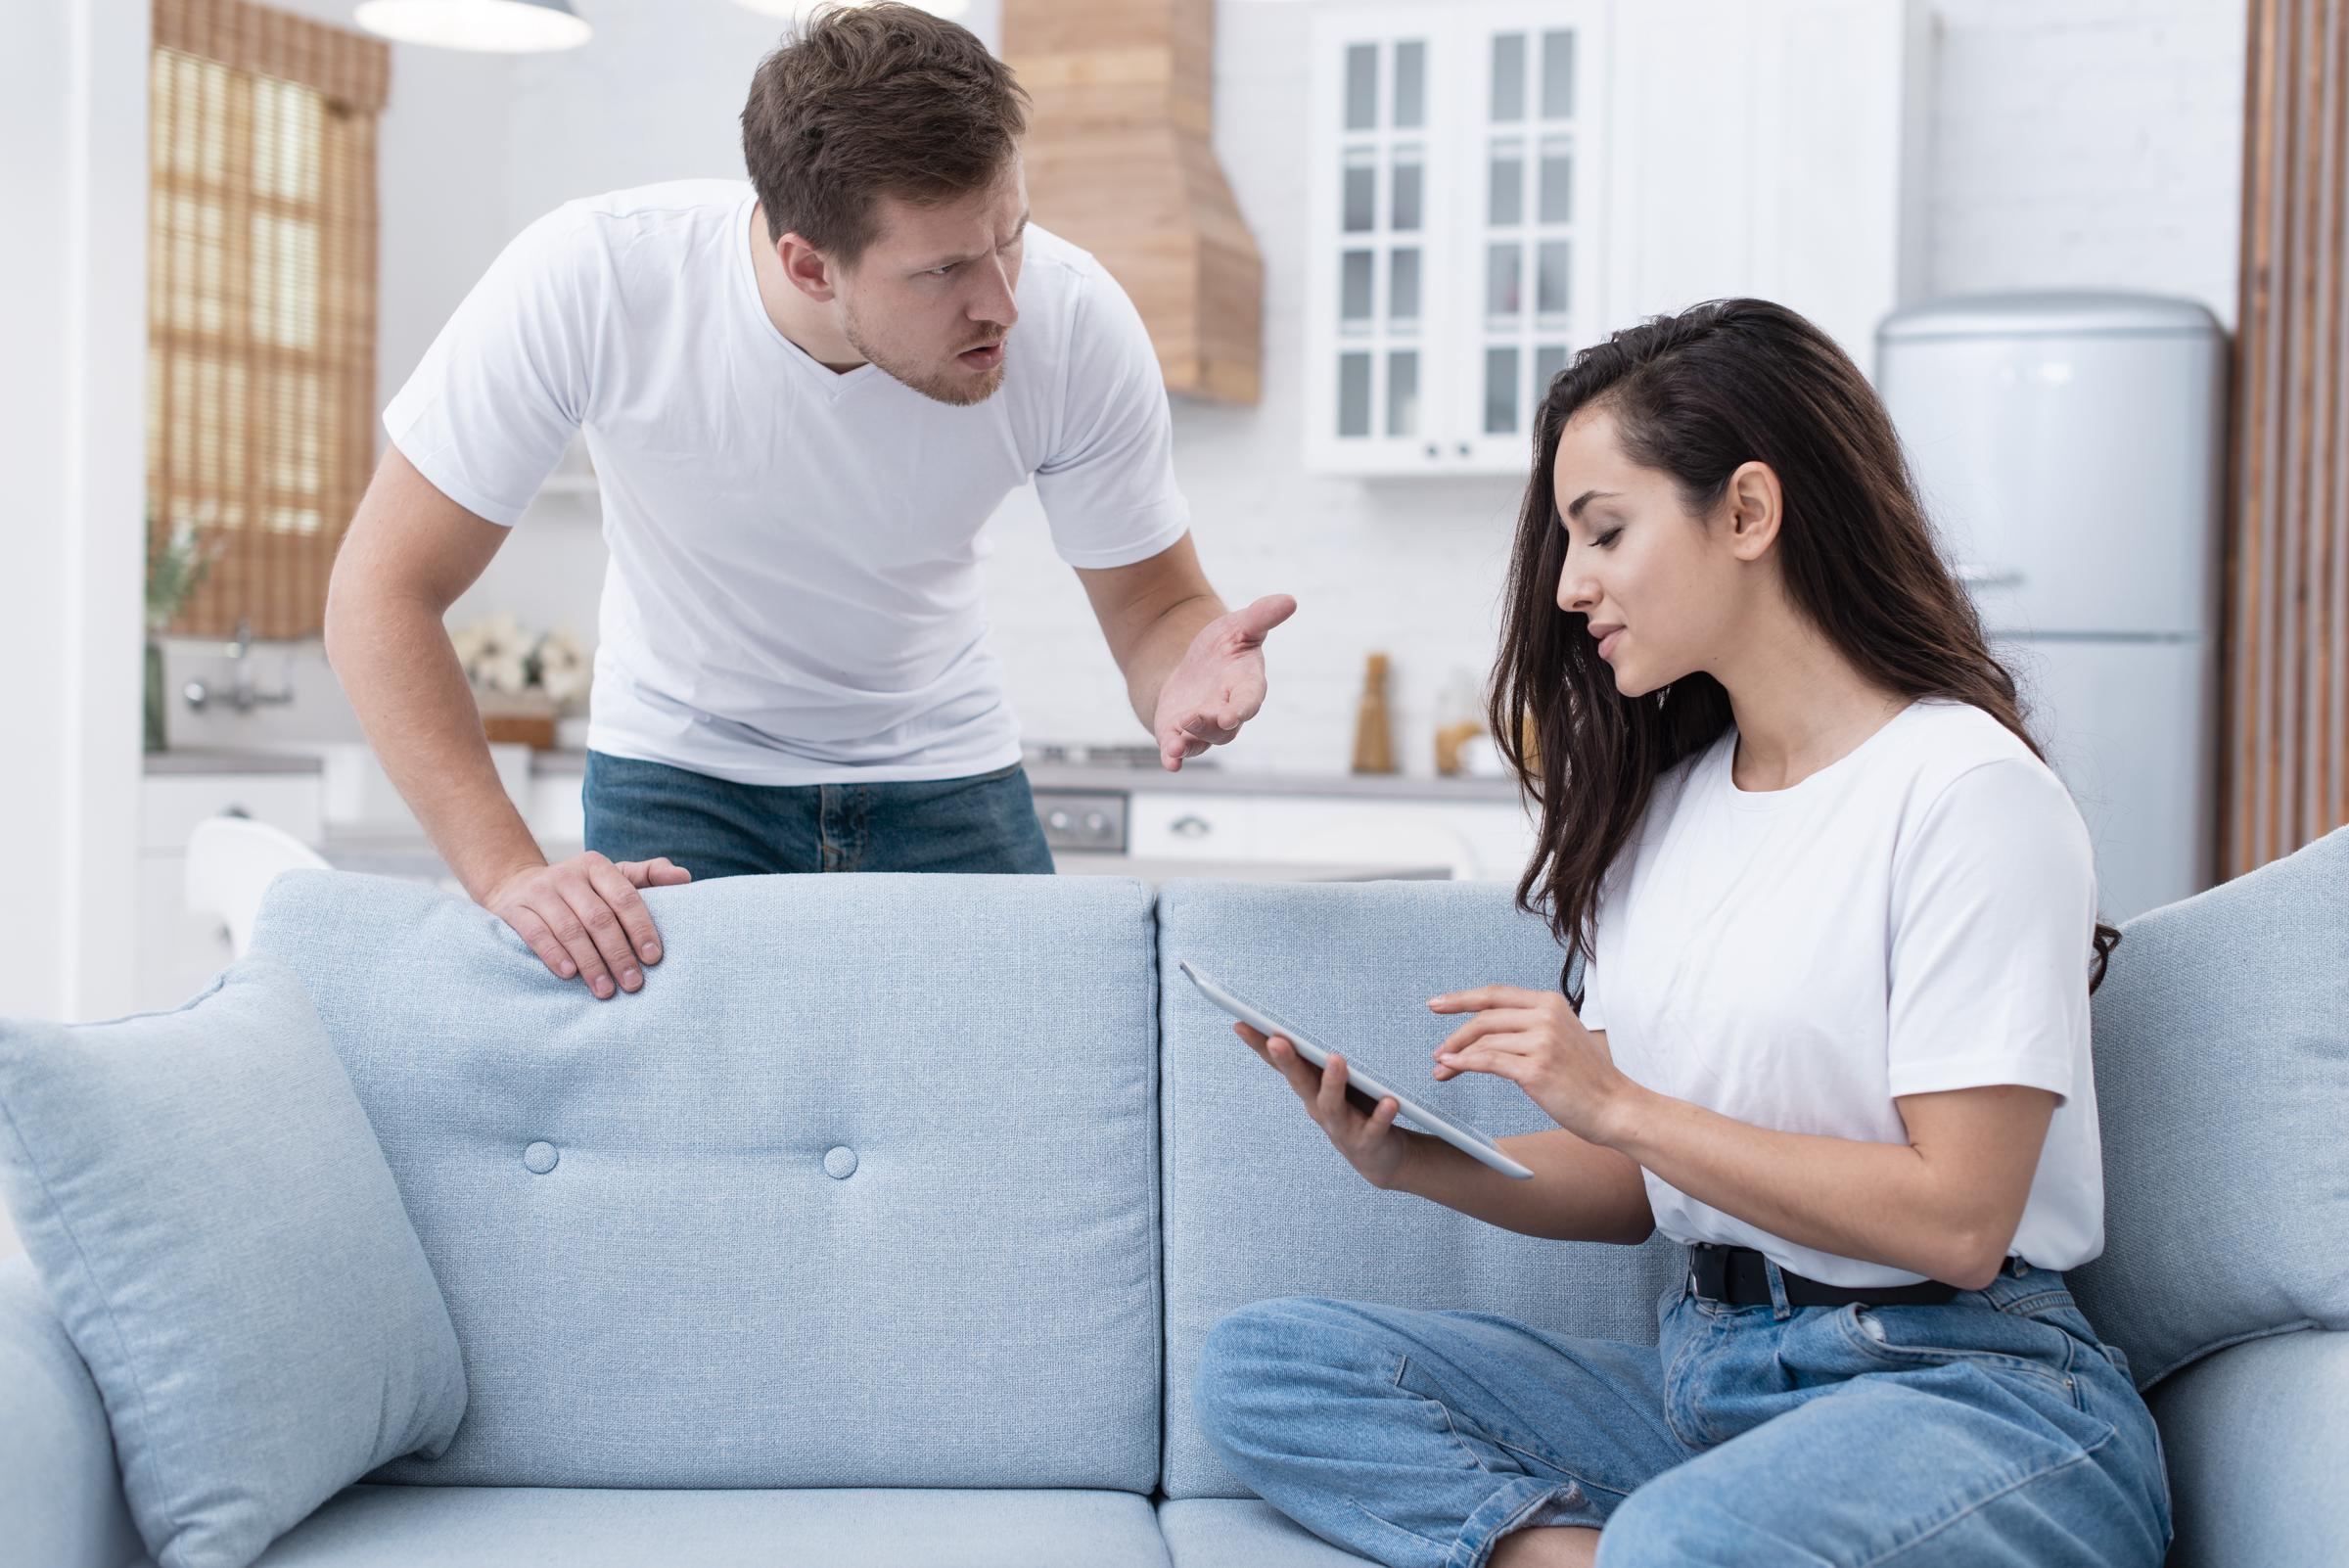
x,y
563,672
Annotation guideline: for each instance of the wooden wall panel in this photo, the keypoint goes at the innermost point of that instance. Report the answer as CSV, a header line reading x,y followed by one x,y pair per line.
x,y
2285,755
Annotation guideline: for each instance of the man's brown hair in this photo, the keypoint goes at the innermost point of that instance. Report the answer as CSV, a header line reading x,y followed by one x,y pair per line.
x,y
872,101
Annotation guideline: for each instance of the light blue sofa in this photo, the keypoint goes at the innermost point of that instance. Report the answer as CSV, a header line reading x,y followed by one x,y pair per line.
x,y
885,1225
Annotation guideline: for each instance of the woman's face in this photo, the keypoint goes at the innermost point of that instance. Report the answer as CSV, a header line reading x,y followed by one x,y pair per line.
x,y
1666,591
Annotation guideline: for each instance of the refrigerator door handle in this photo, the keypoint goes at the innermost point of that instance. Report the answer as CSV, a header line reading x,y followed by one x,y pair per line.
x,y
1976,575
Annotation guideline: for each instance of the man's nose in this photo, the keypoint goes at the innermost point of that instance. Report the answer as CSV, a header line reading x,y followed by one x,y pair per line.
x,y
996,303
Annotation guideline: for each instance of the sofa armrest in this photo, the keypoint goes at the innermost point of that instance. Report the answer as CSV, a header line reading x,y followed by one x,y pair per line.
x,y
61,1496
2258,1441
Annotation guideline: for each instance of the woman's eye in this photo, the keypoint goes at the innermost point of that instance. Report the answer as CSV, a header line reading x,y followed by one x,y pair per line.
x,y
1604,540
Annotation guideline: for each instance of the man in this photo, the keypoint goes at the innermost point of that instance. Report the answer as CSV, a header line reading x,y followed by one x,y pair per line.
x,y
802,397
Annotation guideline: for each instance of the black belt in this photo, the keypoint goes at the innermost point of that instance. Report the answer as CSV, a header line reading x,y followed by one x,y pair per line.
x,y
1736,1275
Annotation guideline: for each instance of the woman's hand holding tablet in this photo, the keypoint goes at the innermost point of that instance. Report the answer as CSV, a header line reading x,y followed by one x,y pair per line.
x,y
1358,1116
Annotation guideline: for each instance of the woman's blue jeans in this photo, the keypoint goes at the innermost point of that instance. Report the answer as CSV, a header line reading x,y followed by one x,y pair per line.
x,y
637,811
1995,1431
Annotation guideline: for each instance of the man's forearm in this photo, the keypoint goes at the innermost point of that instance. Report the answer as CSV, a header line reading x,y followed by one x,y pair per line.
x,y
402,677
1160,647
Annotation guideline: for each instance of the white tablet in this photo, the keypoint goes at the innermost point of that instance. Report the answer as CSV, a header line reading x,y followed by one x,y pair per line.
x,y
1467,1139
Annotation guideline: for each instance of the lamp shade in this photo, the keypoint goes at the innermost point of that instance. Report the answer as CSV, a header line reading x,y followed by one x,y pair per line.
x,y
493,27
796,10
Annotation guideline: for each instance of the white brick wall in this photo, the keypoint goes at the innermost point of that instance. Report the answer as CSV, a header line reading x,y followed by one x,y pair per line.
x,y
2077,143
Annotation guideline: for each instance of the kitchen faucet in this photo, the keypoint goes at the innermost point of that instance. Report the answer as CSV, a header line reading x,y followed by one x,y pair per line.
x,y
241,694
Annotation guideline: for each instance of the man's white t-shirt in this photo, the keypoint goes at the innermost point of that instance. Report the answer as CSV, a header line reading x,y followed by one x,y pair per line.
x,y
1914,917
794,593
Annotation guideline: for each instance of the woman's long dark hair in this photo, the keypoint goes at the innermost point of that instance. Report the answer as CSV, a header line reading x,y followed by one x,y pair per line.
x,y
1695,395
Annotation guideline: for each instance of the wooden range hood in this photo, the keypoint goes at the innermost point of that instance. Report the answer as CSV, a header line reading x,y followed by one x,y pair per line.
x,y
1121,160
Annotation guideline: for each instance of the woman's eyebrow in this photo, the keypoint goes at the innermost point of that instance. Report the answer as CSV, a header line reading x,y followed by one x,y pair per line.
x,y
1575,511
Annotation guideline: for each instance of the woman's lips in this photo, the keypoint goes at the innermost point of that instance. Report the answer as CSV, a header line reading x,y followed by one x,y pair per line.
x,y
1606,644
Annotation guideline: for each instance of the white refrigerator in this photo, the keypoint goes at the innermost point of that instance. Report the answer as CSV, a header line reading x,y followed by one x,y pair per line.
x,y
2070,447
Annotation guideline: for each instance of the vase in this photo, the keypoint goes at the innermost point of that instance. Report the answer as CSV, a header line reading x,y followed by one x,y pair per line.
x,y
155,741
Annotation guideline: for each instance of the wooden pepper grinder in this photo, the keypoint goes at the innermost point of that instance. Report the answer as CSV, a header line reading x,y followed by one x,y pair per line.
x,y
1373,735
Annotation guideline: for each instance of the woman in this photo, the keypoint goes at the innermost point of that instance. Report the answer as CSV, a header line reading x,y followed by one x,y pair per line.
x,y
1838,925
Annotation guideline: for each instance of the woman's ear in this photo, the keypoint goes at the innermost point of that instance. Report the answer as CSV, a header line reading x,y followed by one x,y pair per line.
x,y
1756,505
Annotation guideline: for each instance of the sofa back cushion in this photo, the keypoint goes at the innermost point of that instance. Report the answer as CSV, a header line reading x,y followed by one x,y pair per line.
x,y
2222,1041
858,1192
1260,1205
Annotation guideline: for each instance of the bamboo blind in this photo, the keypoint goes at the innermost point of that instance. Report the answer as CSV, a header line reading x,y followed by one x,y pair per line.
x,y
261,310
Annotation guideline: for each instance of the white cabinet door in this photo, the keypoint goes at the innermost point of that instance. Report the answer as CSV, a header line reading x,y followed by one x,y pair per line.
x,y
174,953
1494,185
1190,827
170,804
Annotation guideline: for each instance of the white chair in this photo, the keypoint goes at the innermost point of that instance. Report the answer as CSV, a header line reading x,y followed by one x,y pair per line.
x,y
231,862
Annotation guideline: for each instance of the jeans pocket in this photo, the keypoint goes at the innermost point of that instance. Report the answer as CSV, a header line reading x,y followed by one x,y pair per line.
x,y
1920,1337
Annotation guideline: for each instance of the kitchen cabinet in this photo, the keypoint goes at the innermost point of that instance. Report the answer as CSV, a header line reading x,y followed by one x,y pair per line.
x,y
1495,184
175,952
1488,840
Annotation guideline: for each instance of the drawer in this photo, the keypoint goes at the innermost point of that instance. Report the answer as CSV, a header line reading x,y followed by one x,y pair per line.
x,y
1478,840
1190,827
170,804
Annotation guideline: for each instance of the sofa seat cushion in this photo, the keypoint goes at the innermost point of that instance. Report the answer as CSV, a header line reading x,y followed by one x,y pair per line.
x,y
372,1526
1243,1532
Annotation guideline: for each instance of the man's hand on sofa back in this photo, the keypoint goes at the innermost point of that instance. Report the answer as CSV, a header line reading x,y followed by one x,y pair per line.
x,y
583,917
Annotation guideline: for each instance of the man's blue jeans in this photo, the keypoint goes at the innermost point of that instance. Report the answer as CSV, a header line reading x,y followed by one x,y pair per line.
x,y
1995,1431
637,811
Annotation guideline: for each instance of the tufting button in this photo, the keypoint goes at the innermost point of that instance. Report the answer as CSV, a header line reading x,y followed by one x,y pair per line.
x,y
539,1158
840,1163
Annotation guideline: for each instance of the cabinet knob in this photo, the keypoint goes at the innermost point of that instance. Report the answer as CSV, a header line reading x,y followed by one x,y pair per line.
x,y
1191,827
1464,448
1433,450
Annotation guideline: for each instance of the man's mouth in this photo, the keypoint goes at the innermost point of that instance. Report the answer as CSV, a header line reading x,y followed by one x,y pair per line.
x,y
986,356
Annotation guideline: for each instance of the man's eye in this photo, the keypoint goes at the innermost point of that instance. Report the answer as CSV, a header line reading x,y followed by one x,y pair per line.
x,y
939,272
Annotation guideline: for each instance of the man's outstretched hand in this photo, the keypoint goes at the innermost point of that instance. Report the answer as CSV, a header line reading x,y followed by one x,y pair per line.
x,y
1219,684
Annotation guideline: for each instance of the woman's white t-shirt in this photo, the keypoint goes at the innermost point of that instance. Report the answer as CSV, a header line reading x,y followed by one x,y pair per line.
x,y
1912,918
793,592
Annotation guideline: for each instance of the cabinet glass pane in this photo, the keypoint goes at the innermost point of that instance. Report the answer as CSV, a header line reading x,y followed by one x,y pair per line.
x,y
1500,391
1405,213
1551,279
1504,279
1403,393
1411,85
1354,395
1362,192
1558,183
1403,284
1362,87
1508,76
1557,75
1504,203
1354,292
1548,359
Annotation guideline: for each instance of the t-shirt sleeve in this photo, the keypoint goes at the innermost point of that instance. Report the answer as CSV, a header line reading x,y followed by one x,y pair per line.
x,y
1108,489
489,410
1994,908
1593,1012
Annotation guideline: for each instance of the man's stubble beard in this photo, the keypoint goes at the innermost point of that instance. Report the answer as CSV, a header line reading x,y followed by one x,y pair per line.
x,y
956,393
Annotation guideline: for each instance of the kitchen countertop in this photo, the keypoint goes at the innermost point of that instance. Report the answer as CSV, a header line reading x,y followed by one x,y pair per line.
x,y
403,855
222,759
1193,779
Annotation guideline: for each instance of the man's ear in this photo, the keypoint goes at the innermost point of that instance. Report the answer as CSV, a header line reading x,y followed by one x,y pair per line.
x,y
809,271
1756,506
